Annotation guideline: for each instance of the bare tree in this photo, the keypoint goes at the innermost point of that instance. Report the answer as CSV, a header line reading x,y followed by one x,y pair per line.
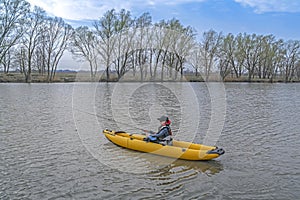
x,y
124,39
183,42
209,46
58,35
277,49
298,70
195,59
84,46
12,15
292,54
227,61
160,39
239,56
6,61
165,45
105,30
251,47
143,51
265,56
31,39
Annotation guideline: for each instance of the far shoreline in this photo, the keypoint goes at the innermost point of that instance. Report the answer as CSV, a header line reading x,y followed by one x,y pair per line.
x,y
73,77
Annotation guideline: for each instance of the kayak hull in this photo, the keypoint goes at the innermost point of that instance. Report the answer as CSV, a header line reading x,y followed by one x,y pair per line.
x,y
179,149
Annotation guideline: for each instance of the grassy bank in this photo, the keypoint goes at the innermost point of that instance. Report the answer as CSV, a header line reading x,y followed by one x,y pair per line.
x,y
64,77
39,78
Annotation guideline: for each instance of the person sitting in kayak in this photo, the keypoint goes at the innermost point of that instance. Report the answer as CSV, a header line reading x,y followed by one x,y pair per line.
x,y
163,136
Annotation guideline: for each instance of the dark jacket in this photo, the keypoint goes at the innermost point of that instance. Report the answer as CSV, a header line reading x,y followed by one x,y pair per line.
x,y
162,133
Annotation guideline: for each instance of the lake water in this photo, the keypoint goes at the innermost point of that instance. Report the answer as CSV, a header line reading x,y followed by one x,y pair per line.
x,y
52,147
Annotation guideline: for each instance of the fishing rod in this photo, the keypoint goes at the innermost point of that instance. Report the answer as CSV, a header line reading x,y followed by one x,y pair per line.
x,y
94,114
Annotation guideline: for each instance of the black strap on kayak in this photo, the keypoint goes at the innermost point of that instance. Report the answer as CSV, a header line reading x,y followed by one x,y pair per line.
x,y
119,132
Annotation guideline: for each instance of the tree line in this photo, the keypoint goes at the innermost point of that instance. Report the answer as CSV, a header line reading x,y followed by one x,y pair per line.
x,y
117,42
30,39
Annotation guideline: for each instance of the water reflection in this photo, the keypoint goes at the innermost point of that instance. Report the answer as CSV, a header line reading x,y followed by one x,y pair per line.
x,y
208,168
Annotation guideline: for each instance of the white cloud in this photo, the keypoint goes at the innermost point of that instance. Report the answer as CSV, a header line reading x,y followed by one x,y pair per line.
x,y
94,9
262,6
78,9
171,2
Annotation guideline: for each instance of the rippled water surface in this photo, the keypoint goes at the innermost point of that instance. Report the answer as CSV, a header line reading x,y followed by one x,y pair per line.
x,y
51,146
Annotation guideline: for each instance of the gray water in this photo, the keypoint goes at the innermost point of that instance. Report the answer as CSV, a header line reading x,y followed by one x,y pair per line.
x,y
51,146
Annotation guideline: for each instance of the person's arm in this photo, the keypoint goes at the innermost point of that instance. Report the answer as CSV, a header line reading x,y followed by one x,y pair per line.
x,y
161,133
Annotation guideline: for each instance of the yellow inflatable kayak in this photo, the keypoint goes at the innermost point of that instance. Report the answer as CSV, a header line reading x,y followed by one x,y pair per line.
x,y
179,149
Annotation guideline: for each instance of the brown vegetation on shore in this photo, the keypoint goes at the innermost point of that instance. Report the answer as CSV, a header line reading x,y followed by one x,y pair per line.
x,y
66,77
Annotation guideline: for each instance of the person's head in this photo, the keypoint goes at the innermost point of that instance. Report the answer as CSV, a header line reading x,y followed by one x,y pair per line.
x,y
164,121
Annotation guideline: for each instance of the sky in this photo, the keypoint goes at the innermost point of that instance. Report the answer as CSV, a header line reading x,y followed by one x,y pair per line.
x,y
277,17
